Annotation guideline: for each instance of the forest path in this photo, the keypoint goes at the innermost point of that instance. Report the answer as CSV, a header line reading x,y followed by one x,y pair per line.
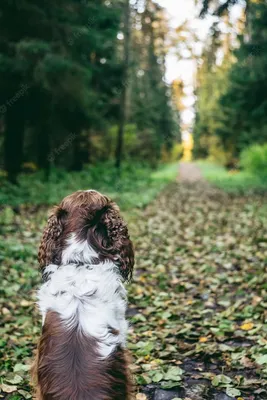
x,y
189,172
196,302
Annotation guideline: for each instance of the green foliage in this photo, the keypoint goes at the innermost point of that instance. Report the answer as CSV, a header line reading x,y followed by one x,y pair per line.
x,y
71,62
254,160
235,182
136,185
236,112
209,115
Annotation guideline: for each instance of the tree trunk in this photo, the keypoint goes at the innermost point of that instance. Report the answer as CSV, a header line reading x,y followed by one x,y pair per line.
x,y
45,156
13,141
81,150
123,100
249,27
77,164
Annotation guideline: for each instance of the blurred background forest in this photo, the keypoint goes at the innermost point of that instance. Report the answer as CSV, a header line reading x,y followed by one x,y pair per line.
x,y
231,107
83,83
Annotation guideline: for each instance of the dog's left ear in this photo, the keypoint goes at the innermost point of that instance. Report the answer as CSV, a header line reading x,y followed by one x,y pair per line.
x,y
109,236
50,249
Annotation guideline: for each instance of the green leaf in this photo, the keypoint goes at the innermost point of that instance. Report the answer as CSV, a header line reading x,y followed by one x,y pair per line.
x,y
21,367
15,380
221,380
169,385
173,374
25,394
233,392
157,377
261,359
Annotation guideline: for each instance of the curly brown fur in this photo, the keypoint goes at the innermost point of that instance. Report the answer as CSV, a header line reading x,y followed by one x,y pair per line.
x,y
92,217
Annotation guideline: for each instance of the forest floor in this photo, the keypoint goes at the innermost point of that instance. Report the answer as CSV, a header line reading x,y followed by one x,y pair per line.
x,y
197,303
200,294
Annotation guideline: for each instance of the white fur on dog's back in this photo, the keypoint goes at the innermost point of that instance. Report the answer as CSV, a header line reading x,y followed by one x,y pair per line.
x,y
91,296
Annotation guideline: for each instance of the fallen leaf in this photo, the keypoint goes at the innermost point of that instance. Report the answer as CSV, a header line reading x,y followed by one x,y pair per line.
x,y
232,392
141,396
203,339
8,388
247,326
221,380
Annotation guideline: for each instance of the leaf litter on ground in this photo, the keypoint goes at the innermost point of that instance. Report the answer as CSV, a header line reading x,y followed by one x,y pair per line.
x,y
197,303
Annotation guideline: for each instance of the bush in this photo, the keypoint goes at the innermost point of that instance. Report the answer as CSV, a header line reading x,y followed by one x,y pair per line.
x,y
254,160
235,182
135,186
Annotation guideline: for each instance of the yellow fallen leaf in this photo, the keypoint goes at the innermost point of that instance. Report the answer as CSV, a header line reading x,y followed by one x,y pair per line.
x,y
203,339
247,326
25,303
148,333
240,398
139,290
141,396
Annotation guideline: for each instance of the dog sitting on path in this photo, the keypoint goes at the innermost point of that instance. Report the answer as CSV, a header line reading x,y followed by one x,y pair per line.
x,y
85,255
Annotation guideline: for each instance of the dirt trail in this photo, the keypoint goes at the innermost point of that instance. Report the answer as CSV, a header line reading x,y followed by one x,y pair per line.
x,y
189,172
197,301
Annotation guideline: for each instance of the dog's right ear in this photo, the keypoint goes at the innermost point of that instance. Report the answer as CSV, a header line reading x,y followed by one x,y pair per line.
x,y
50,248
109,237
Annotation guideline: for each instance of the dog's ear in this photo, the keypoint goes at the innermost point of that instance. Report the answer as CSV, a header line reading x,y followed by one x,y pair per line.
x,y
50,249
109,237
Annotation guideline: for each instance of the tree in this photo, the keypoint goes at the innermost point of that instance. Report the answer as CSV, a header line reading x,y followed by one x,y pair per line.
x,y
153,109
244,104
56,50
235,115
217,9
64,73
125,77
212,80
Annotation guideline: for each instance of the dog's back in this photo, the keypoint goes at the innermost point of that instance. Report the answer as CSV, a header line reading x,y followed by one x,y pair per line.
x,y
81,351
69,366
85,255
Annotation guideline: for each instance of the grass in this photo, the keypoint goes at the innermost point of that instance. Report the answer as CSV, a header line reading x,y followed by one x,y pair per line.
x,y
136,186
236,182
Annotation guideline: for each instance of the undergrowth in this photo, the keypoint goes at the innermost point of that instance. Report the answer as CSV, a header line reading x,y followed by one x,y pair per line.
x,y
236,182
135,186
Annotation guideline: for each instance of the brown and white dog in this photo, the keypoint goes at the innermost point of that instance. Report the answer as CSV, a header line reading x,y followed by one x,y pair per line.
x,y
85,255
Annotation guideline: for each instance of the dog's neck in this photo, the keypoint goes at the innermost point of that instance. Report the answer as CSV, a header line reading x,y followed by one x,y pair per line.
x,y
78,252
88,297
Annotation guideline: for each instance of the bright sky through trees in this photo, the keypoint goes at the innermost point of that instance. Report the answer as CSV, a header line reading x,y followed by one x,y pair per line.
x,y
181,11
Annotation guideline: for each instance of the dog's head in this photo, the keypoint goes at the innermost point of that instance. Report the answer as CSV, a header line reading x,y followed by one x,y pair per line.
x,y
87,227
